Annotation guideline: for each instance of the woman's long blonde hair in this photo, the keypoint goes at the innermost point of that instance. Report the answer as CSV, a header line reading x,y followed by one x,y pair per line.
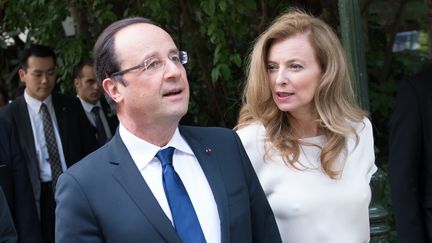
x,y
334,99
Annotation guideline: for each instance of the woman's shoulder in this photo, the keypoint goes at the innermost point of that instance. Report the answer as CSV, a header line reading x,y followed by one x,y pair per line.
x,y
363,150
254,126
362,127
251,132
252,137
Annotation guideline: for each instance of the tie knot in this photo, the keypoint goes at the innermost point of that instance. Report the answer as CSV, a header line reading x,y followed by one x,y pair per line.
x,y
95,109
43,107
165,155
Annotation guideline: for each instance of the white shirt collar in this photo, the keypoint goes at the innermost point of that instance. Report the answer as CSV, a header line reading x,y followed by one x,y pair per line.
x,y
142,152
87,106
35,104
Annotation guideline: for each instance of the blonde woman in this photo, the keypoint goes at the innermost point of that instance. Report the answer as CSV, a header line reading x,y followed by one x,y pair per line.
x,y
309,142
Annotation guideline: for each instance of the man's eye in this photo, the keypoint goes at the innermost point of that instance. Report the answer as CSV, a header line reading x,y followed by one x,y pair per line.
x,y
153,64
175,58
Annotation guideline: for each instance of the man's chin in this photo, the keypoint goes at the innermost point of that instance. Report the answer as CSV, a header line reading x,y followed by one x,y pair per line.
x,y
92,100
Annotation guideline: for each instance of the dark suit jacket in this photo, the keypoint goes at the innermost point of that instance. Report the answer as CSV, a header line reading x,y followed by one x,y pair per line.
x,y
410,158
7,230
104,197
110,116
75,133
16,185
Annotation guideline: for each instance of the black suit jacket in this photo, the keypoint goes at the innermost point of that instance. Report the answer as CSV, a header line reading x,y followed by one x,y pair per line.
x,y
16,185
75,133
104,197
7,230
109,115
410,158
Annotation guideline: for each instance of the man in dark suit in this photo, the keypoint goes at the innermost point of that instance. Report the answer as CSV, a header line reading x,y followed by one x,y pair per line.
x,y
7,229
96,108
410,158
16,185
52,129
155,181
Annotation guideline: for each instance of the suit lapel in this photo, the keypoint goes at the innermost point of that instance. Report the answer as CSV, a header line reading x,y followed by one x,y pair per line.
x,y
131,180
25,133
209,164
24,128
61,116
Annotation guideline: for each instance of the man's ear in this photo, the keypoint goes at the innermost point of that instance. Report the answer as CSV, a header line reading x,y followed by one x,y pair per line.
x,y
111,88
77,82
22,73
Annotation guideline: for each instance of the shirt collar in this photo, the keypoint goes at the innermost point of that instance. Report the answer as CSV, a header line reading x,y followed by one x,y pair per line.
x,y
178,142
87,106
142,152
35,104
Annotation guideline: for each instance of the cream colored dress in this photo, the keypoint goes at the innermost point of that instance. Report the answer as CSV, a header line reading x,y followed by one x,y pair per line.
x,y
309,206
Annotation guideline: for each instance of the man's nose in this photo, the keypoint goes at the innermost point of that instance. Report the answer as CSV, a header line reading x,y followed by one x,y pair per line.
x,y
172,69
44,78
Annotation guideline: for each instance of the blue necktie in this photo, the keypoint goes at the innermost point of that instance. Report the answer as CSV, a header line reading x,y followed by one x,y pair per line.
x,y
185,219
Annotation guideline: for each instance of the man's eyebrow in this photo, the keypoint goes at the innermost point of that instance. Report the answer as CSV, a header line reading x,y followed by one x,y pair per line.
x,y
174,51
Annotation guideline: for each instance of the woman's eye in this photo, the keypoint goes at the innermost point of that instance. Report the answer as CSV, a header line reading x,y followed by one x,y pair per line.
x,y
296,66
271,67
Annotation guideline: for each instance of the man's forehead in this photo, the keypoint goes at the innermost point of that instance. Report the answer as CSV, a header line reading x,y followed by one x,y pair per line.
x,y
141,36
87,69
35,61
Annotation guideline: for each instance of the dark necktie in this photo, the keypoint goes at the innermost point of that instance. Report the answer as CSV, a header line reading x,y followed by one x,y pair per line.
x,y
54,158
102,137
185,219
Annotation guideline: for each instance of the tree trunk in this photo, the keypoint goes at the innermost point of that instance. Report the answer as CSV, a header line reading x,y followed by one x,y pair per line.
x,y
429,25
78,13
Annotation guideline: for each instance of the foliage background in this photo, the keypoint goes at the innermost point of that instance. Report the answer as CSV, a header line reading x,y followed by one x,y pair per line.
x,y
218,36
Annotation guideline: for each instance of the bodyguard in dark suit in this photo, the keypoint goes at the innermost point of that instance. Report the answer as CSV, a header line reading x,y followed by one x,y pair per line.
x,y
90,93
52,130
410,158
7,229
155,181
16,185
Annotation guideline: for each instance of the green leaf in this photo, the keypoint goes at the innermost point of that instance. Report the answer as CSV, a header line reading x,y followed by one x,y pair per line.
x,y
222,5
236,59
209,7
211,28
215,73
225,70
216,54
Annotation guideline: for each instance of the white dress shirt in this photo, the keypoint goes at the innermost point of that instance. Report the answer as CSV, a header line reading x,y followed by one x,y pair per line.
x,y
88,110
187,167
308,205
33,107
